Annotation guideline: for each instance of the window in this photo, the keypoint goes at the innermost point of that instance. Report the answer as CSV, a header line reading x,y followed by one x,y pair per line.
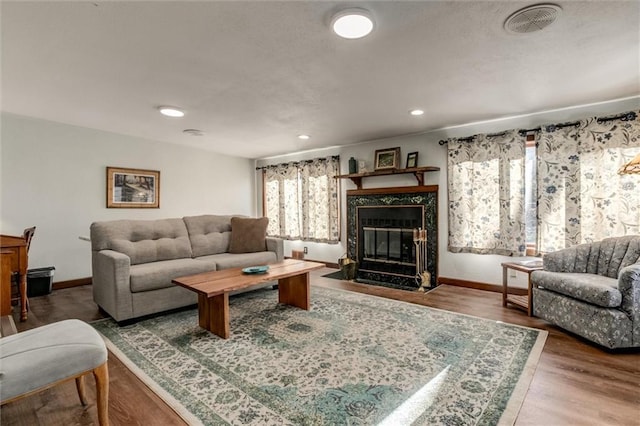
x,y
530,199
301,200
486,194
581,197
571,190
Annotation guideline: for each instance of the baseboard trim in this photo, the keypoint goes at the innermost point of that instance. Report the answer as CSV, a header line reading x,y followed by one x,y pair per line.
x,y
480,286
71,283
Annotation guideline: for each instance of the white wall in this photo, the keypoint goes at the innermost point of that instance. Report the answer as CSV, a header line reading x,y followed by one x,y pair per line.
x,y
462,266
53,176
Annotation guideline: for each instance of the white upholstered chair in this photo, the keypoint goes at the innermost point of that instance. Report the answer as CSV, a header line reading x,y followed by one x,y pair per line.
x,y
38,359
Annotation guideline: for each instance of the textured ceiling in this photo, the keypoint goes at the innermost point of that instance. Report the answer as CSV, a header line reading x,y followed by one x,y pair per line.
x,y
252,75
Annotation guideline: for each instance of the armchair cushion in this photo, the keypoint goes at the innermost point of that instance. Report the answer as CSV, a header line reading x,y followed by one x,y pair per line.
x,y
590,288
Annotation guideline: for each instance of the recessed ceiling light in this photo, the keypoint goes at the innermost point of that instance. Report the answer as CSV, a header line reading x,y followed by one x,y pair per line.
x,y
352,23
170,111
193,132
416,112
304,137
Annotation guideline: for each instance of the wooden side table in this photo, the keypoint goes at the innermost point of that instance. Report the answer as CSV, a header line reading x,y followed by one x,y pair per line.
x,y
521,301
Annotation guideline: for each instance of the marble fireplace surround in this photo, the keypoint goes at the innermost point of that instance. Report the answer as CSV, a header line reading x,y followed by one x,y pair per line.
x,y
422,196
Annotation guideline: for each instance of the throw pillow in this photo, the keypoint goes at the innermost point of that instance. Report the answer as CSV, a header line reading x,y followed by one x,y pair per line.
x,y
248,235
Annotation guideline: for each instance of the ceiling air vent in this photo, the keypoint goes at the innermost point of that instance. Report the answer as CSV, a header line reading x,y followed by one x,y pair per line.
x,y
532,18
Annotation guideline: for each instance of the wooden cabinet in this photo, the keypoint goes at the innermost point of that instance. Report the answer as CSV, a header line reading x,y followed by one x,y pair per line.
x,y
16,249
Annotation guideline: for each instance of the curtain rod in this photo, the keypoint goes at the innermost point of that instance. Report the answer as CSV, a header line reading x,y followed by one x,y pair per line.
x,y
297,163
627,116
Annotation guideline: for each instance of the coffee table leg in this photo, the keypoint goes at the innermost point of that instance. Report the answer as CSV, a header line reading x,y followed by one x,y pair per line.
x,y
295,291
213,314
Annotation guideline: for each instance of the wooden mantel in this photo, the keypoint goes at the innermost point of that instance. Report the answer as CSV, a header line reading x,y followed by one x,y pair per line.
x,y
418,172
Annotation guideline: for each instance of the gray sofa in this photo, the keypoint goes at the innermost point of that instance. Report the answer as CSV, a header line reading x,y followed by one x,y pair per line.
x,y
134,261
593,290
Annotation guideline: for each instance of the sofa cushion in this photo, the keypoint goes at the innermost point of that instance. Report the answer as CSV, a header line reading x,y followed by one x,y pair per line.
x,y
209,234
248,235
143,241
590,288
243,260
156,275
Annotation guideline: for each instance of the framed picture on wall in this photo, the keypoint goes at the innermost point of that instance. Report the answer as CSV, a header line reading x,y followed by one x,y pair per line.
x,y
387,158
133,188
412,160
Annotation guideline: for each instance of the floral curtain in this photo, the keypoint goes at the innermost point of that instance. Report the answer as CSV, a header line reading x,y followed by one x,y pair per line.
x,y
320,206
301,200
581,197
281,189
486,194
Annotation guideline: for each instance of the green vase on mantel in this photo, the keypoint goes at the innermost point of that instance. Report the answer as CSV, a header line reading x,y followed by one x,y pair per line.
x,y
353,166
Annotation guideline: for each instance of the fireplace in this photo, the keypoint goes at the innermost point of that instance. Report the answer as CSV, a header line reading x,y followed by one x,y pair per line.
x,y
385,239
382,224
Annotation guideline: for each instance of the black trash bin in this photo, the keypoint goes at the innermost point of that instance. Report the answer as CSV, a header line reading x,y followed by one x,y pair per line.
x,y
39,281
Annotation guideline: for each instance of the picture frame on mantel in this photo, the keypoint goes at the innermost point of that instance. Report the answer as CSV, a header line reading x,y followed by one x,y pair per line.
x,y
387,159
412,160
133,188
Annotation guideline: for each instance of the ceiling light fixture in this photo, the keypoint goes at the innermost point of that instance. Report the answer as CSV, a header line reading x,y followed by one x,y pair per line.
x,y
352,23
170,111
304,137
193,132
416,112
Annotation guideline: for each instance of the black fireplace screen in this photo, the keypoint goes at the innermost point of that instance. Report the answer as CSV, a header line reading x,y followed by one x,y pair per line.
x,y
385,241
389,245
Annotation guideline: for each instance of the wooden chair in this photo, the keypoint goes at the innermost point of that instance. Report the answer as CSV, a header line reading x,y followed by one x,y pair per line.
x,y
15,291
28,235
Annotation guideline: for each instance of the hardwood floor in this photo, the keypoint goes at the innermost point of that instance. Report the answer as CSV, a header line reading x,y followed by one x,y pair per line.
x,y
575,383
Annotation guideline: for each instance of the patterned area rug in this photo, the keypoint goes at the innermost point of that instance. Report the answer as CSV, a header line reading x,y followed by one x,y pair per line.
x,y
353,359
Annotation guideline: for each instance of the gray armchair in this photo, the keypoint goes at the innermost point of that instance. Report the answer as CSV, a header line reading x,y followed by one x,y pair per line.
x,y
593,290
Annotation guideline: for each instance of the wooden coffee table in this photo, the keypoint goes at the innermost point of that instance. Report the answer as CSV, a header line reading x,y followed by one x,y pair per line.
x,y
213,290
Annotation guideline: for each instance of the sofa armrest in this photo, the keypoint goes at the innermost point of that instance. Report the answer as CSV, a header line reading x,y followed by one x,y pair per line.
x,y
629,286
111,289
276,245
